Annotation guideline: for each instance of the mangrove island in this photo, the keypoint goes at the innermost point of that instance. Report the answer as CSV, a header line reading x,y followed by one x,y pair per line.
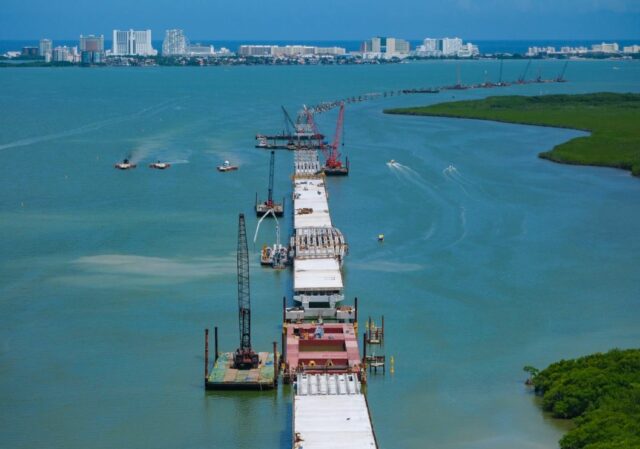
x,y
611,118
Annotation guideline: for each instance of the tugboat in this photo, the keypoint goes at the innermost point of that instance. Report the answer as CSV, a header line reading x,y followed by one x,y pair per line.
x,y
160,165
262,142
226,166
125,165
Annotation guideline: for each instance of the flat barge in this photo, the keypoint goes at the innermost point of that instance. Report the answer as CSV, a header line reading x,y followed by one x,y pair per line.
x,y
223,376
330,411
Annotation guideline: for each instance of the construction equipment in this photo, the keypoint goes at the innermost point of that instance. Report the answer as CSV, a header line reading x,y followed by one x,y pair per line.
x,y
264,207
277,255
333,165
539,77
312,127
521,79
560,78
288,130
500,82
244,357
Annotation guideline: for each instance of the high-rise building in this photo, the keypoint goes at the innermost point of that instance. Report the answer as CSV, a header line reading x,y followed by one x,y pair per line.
x,y
430,45
132,43
31,52
450,46
61,54
400,46
386,46
91,49
447,46
45,48
91,43
175,43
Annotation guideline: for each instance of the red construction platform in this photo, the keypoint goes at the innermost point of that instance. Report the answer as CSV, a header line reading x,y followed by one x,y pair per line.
x,y
321,348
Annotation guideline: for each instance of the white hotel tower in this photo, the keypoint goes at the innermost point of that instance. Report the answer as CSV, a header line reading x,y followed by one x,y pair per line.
x,y
132,43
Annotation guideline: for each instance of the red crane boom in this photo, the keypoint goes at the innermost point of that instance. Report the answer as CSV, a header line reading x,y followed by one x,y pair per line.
x,y
333,161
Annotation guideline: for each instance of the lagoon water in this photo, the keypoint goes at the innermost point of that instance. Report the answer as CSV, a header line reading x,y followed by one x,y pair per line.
x,y
108,278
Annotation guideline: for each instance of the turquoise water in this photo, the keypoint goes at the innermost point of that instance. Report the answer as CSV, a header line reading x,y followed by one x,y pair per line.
x,y
108,278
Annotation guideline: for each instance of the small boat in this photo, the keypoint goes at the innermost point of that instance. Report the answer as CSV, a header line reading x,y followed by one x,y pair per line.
x,y
380,237
160,165
226,166
125,165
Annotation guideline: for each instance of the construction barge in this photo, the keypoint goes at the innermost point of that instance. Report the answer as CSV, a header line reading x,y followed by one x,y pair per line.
x,y
243,369
269,205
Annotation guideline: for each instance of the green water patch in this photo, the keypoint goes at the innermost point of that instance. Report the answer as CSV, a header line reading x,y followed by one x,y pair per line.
x,y
600,392
612,119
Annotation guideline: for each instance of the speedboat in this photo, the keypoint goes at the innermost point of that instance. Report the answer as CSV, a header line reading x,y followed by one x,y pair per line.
x,y
125,165
160,165
226,166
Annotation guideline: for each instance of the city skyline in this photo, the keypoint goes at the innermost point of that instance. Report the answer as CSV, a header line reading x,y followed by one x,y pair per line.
x,y
412,19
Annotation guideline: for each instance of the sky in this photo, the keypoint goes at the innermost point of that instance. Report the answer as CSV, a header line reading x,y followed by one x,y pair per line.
x,y
326,19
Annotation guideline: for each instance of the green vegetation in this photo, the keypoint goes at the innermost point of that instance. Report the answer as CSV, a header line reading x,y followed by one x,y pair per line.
x,y
602,393
613,120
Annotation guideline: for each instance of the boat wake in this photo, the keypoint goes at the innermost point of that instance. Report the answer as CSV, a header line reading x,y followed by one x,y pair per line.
x,y
404,172
452,173
449,225
155,148
91,127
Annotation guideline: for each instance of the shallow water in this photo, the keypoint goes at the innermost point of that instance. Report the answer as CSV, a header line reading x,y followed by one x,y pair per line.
x,y
108,278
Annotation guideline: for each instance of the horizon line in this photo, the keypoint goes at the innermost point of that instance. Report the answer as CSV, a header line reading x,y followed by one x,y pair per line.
x,y
347,39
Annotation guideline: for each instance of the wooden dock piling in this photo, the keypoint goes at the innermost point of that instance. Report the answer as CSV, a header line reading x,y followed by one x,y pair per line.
x,y
215,334
206,354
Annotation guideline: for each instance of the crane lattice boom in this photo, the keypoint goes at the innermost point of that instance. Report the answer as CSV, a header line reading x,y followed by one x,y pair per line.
x,y
333,160
271,165
244,299
244,357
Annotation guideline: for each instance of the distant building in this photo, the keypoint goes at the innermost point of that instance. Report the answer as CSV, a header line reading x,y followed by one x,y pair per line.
x,y
551,51
255,50
45,48
61,54
333,51
175,43
605,48
91,49
288,51
386,47
200,50
631,49
447,47
430,45
30,52
91,43
451,46
293,51
132,43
